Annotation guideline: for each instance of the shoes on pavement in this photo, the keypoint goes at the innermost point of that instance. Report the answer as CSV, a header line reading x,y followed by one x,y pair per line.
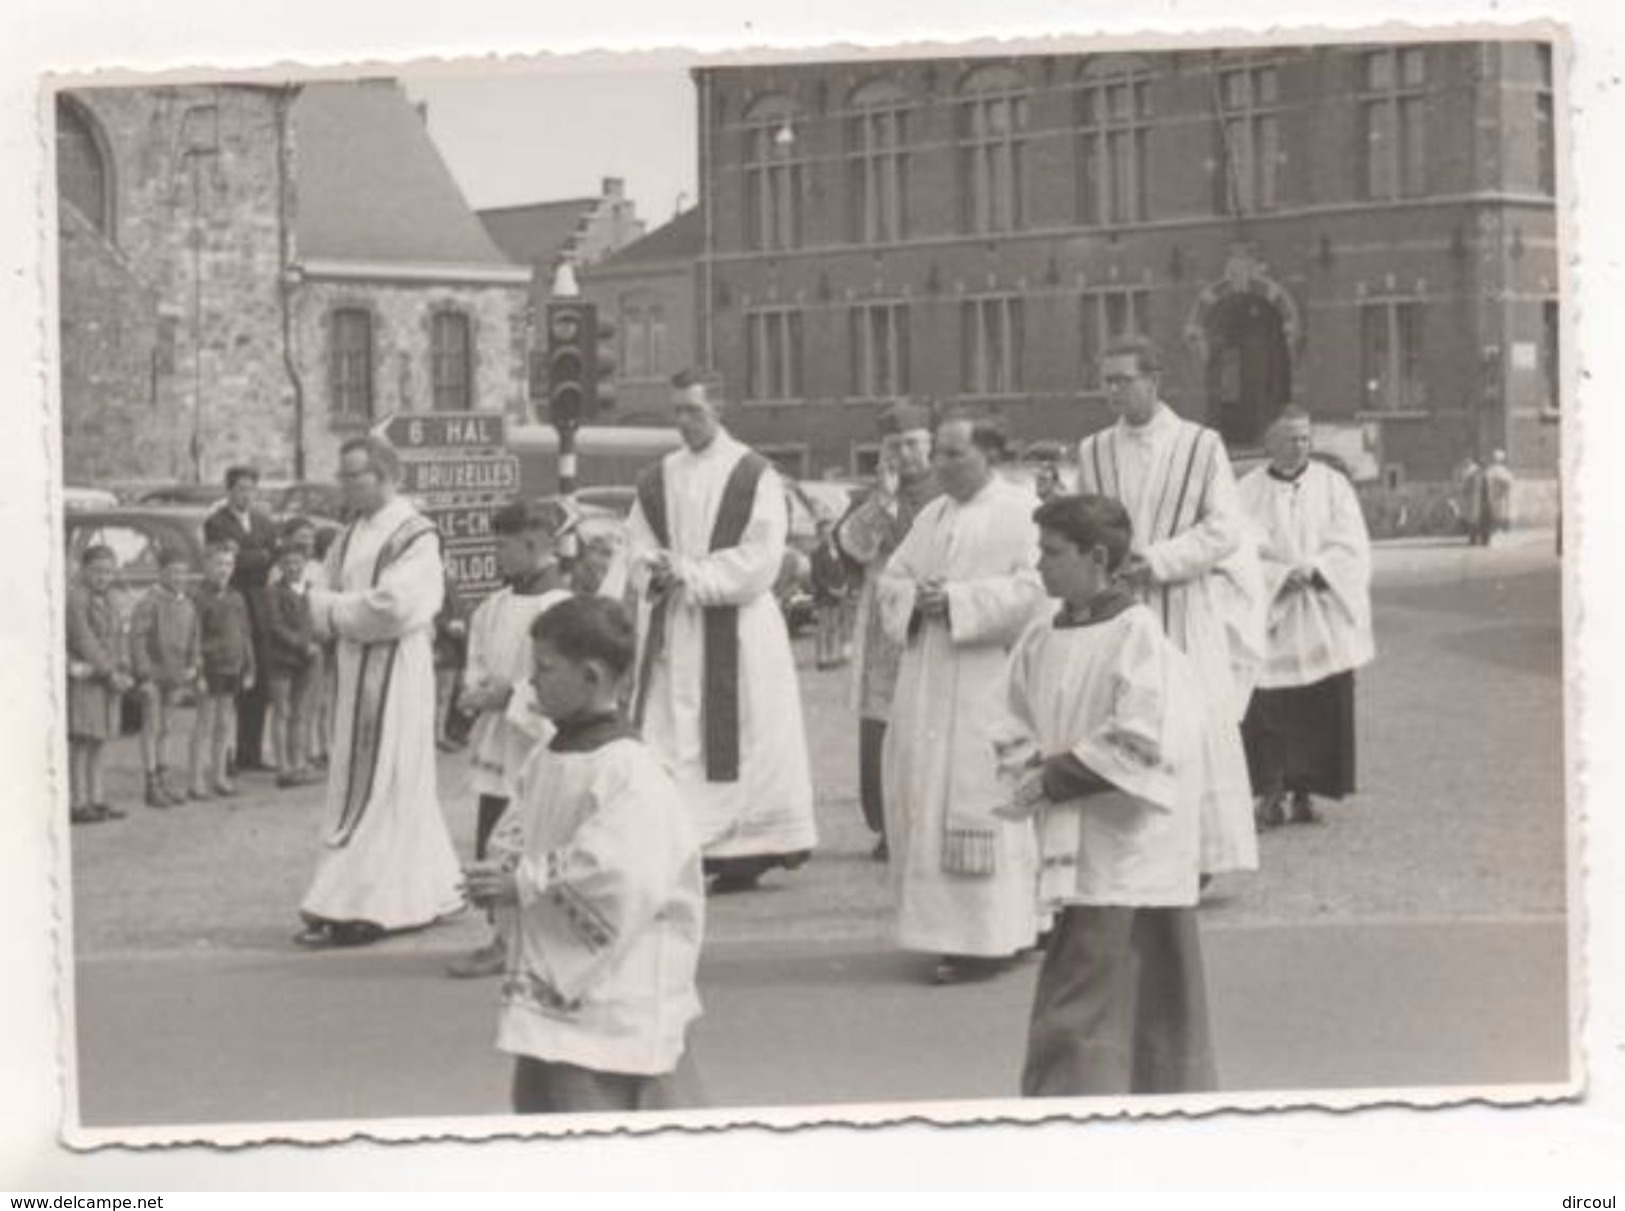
x,y
315,935
881,851
966,969
1269,811
225,790
488,960
732,884
174,797
1304,810
85,815
108,812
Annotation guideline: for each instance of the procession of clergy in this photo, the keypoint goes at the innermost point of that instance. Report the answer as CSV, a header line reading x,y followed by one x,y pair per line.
x,y
1071,714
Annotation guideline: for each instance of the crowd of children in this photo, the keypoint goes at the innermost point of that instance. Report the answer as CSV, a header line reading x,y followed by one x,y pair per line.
x,y
196,646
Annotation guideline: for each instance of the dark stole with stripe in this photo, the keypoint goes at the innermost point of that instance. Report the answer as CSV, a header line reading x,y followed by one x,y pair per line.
x,y
719,689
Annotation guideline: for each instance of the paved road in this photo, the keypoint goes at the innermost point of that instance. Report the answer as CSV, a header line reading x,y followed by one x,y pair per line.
x,y
267,1038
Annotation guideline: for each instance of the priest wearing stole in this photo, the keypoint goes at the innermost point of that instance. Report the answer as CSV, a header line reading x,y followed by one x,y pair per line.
x,y
716,693
388,862
1317,573
1195,565
958,593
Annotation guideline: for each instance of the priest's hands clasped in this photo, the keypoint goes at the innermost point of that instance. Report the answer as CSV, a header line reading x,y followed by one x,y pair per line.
x,y
488,883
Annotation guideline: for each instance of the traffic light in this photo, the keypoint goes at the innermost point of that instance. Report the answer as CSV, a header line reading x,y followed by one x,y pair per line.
x,y
580,368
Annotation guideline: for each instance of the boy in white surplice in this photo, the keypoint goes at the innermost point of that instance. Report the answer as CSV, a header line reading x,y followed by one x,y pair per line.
x,y
1116,777
600,863
498,668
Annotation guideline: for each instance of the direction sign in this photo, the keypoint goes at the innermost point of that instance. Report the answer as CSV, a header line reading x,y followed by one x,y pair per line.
x,y
462,525
436,432
460,475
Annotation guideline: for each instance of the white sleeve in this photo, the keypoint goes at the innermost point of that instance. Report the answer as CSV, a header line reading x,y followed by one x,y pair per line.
x,y
406,598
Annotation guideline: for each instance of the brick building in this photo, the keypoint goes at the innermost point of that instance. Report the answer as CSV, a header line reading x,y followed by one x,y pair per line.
x,y
647,291
1367,231
252,274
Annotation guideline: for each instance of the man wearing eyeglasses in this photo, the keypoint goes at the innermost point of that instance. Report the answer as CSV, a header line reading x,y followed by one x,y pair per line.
x,y
1194,564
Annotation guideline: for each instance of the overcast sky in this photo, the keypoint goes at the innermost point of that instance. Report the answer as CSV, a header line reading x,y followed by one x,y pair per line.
x,y
554,132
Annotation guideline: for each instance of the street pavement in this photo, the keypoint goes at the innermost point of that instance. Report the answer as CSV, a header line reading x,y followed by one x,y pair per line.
x,y
1418,938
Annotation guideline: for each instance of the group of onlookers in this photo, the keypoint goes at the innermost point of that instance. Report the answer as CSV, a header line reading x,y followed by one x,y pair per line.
x,y
239,646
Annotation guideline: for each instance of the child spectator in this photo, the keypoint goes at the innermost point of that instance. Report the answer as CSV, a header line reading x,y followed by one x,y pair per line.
x,y
164,654
505,729
603,865
226,670
291,653
1120,1006
96,682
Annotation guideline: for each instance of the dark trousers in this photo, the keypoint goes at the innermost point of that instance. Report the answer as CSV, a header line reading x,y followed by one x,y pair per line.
x,y
549,1087
251,704
871,746
490,811
1121,1006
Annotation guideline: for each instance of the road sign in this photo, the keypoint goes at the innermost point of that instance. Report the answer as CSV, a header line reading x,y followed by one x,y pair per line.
x,y
436,476
462,525
472,571
443,432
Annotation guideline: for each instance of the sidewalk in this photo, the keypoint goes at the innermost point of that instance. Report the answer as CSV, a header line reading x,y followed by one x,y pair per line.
x,y
374,1035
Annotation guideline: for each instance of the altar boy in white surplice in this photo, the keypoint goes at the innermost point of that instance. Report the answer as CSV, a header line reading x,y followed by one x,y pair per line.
x,y
957,592
1194,564
1114,722
387,861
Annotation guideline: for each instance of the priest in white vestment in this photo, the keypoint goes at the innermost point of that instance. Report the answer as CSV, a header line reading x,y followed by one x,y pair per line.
x,y
1316,557
1195,565
387,861
716,693
958,592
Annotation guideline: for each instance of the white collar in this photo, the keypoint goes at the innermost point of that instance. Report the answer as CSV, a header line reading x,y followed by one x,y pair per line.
x,y
1159,423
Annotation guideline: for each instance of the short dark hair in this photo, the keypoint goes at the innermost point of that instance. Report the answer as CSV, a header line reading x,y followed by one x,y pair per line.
x,y
1142,349
589,628
1292,412
986,432
93,553
218,546
1087,522
236,475
168,557
286,549
530,513
294,524
382,457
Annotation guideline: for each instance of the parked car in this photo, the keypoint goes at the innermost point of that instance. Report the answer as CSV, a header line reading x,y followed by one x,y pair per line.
x,y
137,535
306,498
192,495
75,499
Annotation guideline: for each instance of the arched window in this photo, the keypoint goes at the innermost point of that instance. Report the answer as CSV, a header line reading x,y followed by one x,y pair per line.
x,y
992,148
451,361
773,164
83,176
1114,113
877,134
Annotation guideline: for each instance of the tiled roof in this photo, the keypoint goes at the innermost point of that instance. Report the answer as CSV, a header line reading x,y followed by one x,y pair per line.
x,y
372,185
536,233
679,240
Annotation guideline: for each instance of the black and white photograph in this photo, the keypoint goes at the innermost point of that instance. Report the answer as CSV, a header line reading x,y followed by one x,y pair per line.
x,y
939,583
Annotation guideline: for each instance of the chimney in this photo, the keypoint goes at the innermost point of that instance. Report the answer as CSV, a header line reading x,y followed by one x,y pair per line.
x,y
614,187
